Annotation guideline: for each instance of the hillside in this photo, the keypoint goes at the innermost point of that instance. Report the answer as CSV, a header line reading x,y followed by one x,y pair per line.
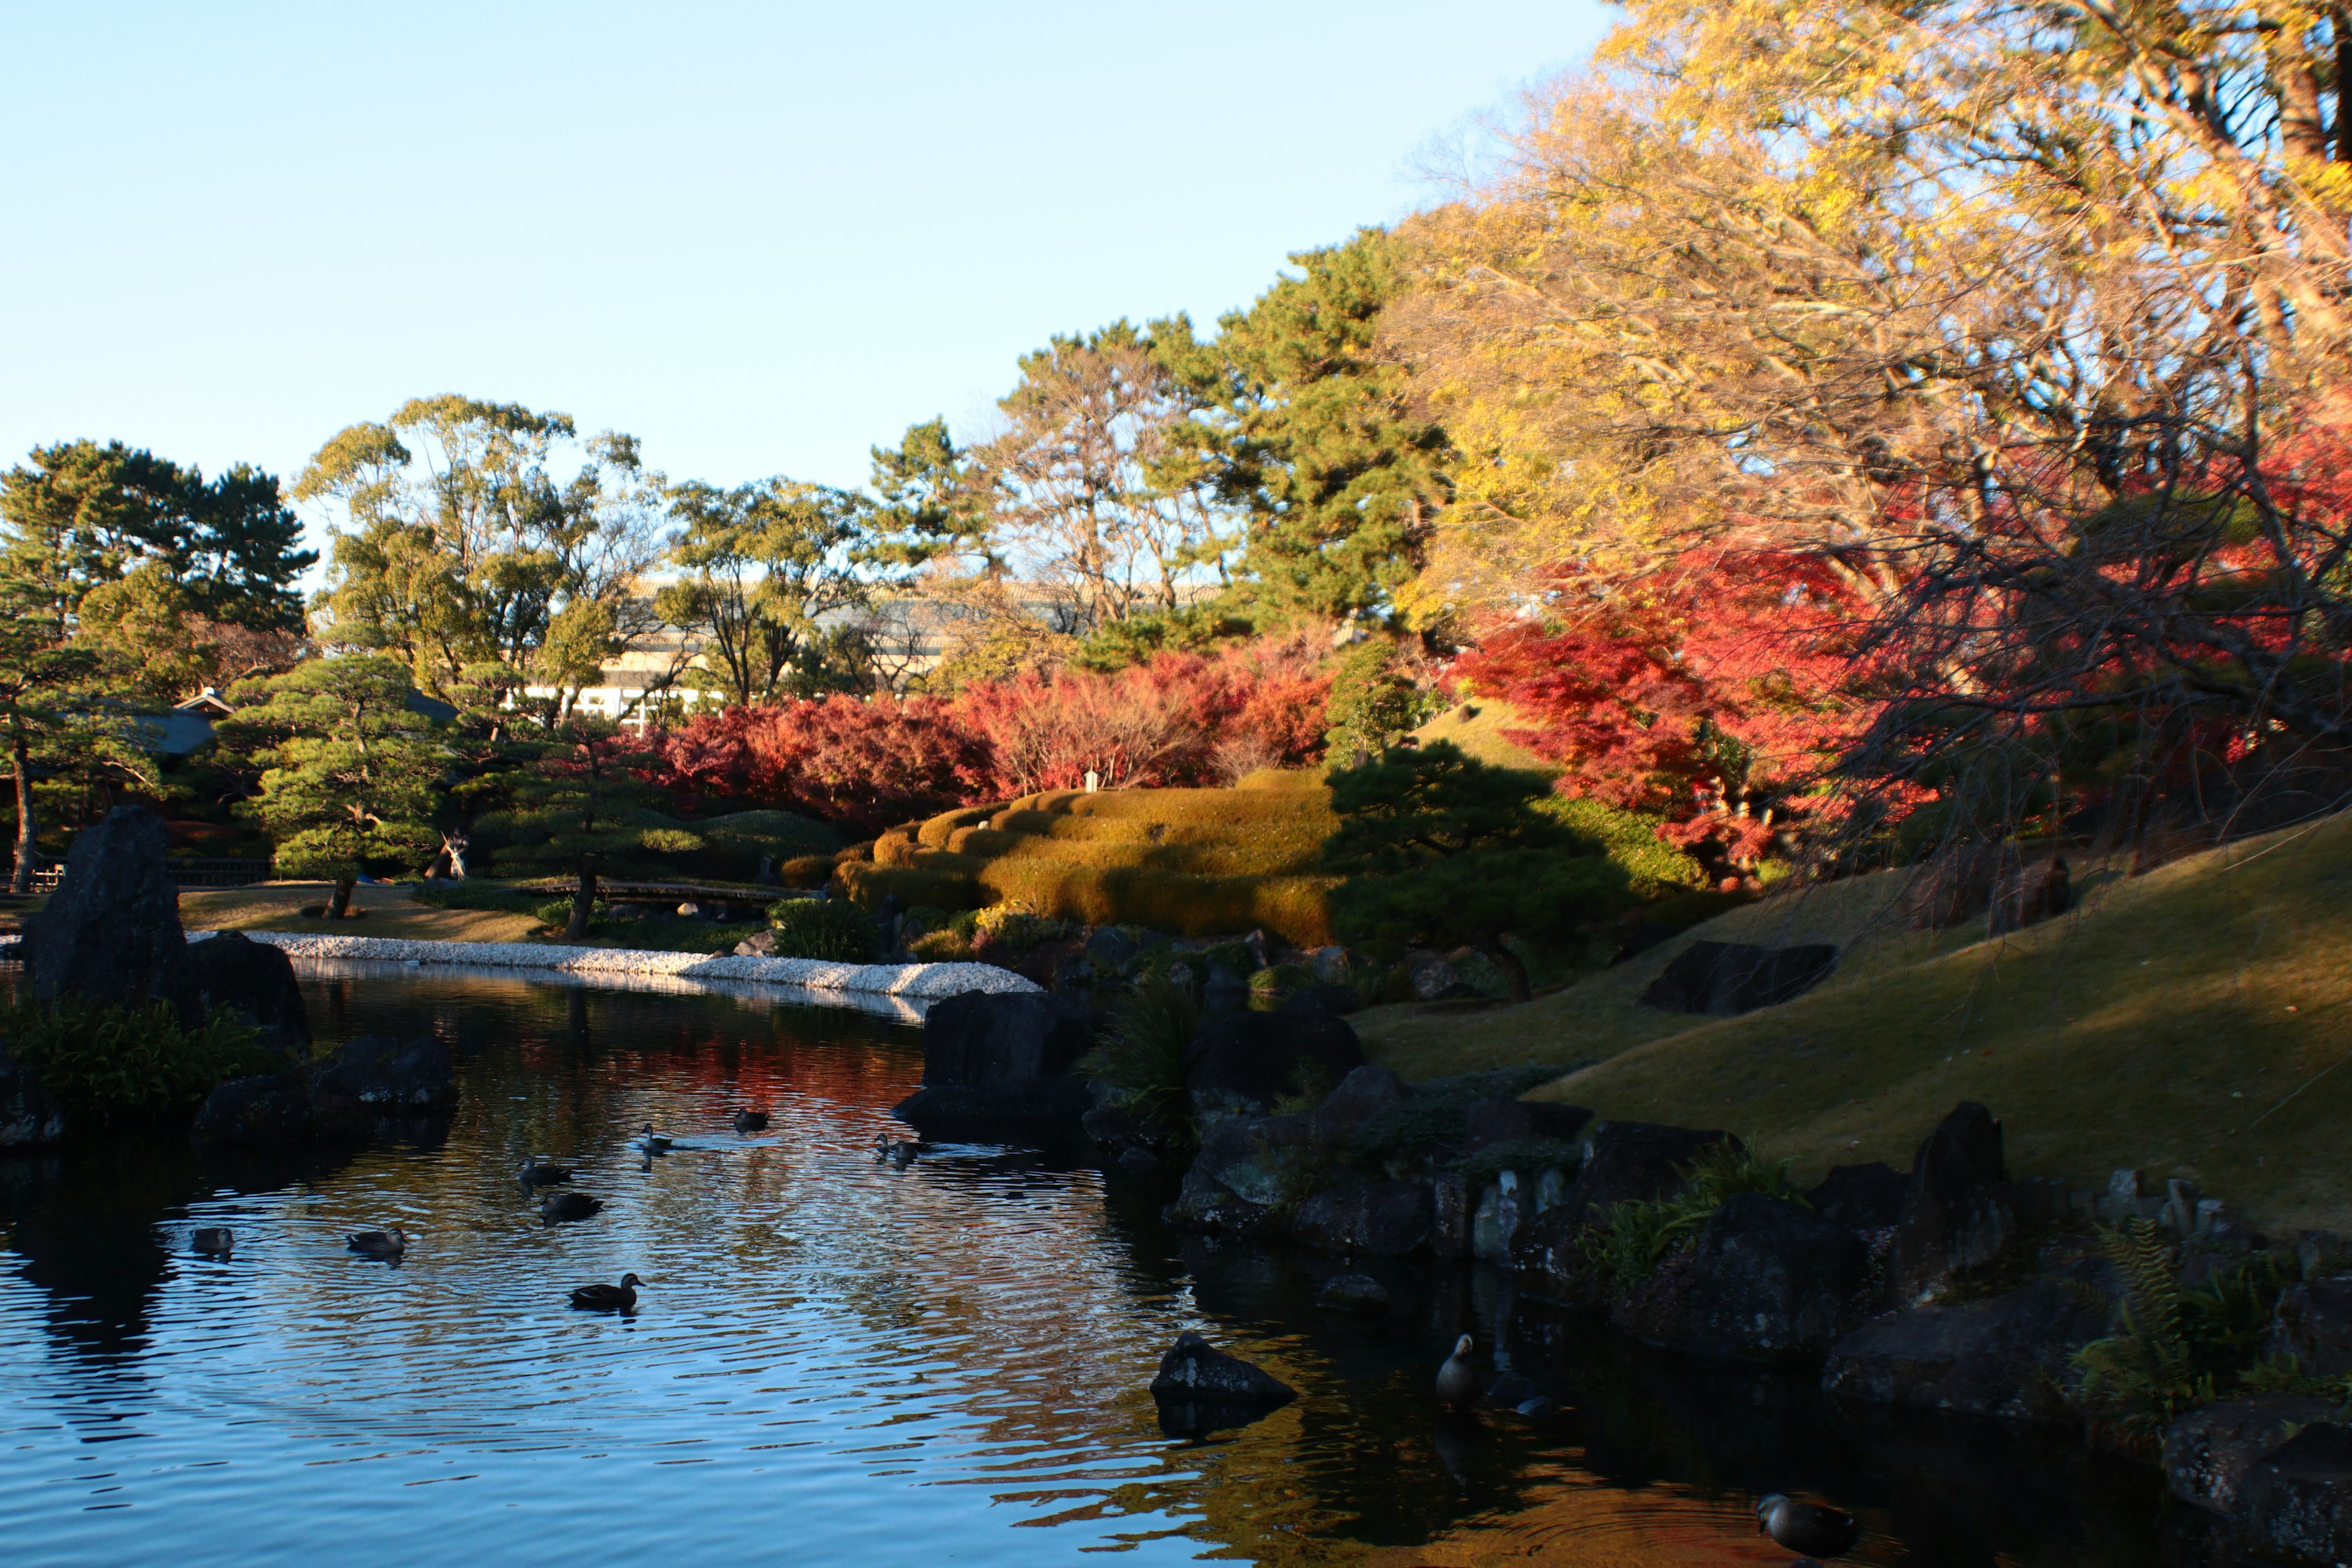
x,y
2190,1021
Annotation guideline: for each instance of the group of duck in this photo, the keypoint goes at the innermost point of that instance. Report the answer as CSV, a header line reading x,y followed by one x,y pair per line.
x,y
391,1244
1815,1529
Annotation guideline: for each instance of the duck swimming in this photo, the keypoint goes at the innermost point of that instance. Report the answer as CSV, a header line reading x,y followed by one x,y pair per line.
x,y
1457,1380
751,1120
213,1242
621,1297
562,1206
380,1243
900,1152
654,1143
537,1172
1808,1527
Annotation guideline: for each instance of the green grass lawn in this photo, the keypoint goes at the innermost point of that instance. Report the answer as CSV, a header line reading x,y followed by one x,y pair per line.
x,y
393,911
2190,1021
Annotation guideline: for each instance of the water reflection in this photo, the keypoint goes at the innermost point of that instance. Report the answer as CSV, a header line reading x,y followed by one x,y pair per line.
x,y
835,1360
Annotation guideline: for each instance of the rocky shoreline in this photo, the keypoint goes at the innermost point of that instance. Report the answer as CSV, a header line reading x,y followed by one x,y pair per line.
x,y
1948,1288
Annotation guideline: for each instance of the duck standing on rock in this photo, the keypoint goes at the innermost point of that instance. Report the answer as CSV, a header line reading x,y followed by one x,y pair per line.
x,y
1812,1528
385,1243
562,1206
621,1297
537,1172
1457,1380
214,1241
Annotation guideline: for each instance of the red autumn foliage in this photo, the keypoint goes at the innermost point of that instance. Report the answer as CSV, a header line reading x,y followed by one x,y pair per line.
x,y
863,763
1181,719
1714,691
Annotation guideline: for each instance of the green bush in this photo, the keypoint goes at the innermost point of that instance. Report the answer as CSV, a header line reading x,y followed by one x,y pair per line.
x,y
1627,1248
734,845
118,1064
806,871
832,930
1141,1054
558,912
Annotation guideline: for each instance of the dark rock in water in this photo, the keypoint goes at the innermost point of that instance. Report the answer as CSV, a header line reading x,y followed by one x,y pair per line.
x,y
2008,1356
996,1069
1768,1280
1727,978
112,933
2295,1501
1124,1126
1353,1293
29,1118
1249,1059
1245,1168
271,1111
1860,1197
1957,1216
1140,1162
390,1077
2208,1452
1193,1368
2314,1324
1491,1121
1377,1219
1510,1391
2027,895
980,1040
231,973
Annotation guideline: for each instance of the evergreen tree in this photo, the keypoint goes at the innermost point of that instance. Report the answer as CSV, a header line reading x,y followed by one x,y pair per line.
x,y
575,806
348,771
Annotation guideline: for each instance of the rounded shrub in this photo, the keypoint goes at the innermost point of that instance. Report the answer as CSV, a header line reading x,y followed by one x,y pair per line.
x,y
832,930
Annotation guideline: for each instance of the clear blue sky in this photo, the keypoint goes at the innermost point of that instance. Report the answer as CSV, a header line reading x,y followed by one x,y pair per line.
x,y
760,237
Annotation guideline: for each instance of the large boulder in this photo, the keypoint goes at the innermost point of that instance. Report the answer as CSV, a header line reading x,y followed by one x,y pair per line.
x,y
1376,1219
1248,1170
389,1076
1727,978
1860,1197
1248,1060
111,933
2314,1324
1624,1161
2010,1356
2208,1452
29,1118
1957,1212
231,973
997,1068
2295,1503
1363,1094
1768,1280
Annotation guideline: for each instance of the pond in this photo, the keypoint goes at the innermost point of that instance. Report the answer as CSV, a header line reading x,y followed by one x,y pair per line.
x,y
839,1361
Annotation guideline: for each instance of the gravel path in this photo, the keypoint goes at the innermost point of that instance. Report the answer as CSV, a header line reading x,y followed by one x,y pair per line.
x,y
923,980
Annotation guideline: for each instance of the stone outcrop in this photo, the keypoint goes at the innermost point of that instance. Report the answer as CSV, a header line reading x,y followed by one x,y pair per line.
x,y
268,1111
1860,1197
1624,1161
2029,894
229,973
2008,1356
2314,1324
1728,978
112,933
389,1076
2208,1452
1768,1280
375,1078
1493,1121
1245,1062
1956,1214
1246,1171
2294,1504
1370,1218
997,1068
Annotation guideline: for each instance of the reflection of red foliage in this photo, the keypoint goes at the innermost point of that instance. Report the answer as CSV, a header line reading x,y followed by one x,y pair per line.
x,y
1178,719
1712,691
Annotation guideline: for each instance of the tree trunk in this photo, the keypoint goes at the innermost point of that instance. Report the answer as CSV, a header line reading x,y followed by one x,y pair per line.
x,y
582,901
1515,972
338,906
20,881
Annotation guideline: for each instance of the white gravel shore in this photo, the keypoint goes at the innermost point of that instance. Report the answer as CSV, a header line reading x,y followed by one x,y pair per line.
x,y
928,981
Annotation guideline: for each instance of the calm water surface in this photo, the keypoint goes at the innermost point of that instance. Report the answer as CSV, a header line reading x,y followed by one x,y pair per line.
x,y
835,1362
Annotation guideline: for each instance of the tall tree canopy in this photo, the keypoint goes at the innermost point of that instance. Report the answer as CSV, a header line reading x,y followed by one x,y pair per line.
x,y
761,567
488,547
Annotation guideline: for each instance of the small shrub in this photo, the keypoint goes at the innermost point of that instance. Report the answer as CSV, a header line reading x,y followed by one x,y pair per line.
x,y
557,912
1628,1247
1141,1054
831,930
1270,987
121,1064
806,871
1003,934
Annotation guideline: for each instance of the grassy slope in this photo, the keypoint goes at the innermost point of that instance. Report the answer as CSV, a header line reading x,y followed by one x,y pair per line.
x,y
2151,1029
1476,726
276,906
